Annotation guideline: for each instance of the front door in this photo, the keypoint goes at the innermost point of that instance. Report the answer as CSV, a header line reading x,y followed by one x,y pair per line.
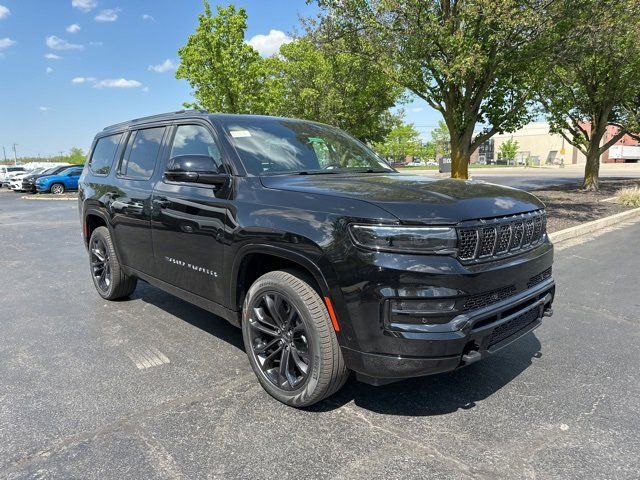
x,y
188,225
130,203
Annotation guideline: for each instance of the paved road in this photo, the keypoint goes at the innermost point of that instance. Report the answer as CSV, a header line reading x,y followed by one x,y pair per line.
x,y
560,403
533,178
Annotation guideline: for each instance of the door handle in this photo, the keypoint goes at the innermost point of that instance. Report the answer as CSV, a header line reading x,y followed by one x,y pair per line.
x,y
162,202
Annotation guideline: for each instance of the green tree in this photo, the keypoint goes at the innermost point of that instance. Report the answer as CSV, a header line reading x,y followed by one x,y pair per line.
x,y
226,73
401,142
595,75
76,156
509,150
325,83
472,60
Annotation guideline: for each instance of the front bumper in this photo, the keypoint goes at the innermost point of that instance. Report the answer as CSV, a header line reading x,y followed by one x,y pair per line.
x,y
473,336
484,320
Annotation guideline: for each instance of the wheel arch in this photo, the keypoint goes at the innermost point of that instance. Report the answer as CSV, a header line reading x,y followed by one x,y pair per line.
x,y
252,261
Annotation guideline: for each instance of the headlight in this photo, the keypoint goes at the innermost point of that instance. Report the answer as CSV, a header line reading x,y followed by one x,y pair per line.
x,y
434,240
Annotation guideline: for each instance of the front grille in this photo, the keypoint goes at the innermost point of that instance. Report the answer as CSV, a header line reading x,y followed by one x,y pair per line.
x,y
541,277
487,298
501,237
513,326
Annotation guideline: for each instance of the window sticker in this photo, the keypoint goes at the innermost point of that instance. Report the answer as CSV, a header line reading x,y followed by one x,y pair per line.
x,y
240,133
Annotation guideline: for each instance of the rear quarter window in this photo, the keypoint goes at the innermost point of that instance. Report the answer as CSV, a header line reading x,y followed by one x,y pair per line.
x,y
104,153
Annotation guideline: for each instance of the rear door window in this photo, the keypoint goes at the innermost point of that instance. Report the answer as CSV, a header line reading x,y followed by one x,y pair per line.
x,y
141,154
104,153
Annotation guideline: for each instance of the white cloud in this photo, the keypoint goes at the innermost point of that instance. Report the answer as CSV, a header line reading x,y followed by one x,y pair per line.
x,y
49,70
269,44
108,15
44,109
147,18
57,43
163,67
96,44
417,109
118,83
73,28
4,12
84,5
80,80
6,43
52,56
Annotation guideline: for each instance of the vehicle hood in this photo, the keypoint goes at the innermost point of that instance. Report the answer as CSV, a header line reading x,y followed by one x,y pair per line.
x,y
414,198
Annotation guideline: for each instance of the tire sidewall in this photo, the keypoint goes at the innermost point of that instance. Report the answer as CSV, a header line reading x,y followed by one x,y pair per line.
x,y
308,388
106,238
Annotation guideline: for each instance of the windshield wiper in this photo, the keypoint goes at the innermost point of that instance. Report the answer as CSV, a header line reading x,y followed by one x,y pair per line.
x,y
317,172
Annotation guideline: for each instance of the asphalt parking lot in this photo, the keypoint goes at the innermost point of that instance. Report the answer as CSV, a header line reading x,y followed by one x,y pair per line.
x,y
154,387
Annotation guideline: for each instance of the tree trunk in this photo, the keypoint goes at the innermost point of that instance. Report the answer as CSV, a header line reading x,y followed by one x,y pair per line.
x,y
460,157
592,168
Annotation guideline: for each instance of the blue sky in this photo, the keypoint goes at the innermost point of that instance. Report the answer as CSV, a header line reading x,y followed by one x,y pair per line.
x,y
70,67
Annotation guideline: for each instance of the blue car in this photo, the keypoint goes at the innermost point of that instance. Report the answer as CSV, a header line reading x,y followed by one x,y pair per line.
x,y
61,182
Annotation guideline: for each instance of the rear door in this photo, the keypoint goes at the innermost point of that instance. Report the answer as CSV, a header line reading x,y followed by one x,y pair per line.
x,y
188,224
130,202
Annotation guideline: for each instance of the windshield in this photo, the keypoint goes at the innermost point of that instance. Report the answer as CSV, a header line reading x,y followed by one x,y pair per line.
x,y
271,146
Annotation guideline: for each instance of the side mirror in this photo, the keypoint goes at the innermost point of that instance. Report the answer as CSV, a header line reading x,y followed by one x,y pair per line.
x,y
195,169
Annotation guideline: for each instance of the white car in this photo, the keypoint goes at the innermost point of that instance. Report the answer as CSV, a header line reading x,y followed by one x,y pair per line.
x,y
15,182
8,171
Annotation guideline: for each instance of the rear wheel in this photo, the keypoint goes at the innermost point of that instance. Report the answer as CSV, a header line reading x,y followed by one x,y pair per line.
x,y
109,278
290,341
57,188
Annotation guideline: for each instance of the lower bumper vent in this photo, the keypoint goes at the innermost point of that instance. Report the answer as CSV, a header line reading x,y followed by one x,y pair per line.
x,y
513,326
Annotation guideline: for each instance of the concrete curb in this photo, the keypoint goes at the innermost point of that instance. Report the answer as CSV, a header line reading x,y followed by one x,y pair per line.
x,y
53,199
589,227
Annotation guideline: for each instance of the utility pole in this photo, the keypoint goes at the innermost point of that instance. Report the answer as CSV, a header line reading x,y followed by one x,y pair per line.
x,y
15,155
4,151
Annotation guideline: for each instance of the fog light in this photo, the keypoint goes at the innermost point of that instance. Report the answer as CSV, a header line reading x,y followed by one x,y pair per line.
x,y
421,307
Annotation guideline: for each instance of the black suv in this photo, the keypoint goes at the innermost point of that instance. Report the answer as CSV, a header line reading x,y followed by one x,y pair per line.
x,y
328,259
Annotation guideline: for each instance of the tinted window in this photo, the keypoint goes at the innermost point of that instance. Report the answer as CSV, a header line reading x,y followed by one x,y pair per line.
x,y
194,140
103,154
142,152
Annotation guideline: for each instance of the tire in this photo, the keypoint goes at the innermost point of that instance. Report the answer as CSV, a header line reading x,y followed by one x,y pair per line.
x,y
109,278
57,189
307,338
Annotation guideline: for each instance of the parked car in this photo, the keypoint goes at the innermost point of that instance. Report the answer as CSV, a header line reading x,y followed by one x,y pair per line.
x,y
59,183
7,172
329,260
29,181
15,183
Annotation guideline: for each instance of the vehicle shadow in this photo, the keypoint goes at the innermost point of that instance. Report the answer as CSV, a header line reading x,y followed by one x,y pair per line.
x,y
425,396
192,314
443,393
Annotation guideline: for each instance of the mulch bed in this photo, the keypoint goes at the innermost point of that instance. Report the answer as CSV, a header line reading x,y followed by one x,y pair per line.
x,y
568,205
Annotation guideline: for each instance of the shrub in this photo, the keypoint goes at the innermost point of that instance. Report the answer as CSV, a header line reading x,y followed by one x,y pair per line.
x,y
629,197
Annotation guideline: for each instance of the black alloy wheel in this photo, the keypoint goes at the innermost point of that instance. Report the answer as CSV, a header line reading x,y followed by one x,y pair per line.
x,y
111,281
279,341
100,266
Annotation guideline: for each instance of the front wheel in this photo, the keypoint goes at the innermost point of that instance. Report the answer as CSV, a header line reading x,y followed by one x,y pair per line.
x,y
109,278
57,189
289,338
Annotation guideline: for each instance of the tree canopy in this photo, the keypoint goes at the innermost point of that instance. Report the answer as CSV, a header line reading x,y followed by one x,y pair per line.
x,y
403,141
306,79
594,78
474,61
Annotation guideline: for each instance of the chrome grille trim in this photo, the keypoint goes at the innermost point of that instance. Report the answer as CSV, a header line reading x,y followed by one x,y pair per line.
x,y
490,239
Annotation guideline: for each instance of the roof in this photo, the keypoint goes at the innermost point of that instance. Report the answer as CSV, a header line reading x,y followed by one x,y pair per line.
x,y
159,117
170,116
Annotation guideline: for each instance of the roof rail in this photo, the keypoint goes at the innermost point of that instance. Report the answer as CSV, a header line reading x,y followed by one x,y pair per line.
x,y
154,117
